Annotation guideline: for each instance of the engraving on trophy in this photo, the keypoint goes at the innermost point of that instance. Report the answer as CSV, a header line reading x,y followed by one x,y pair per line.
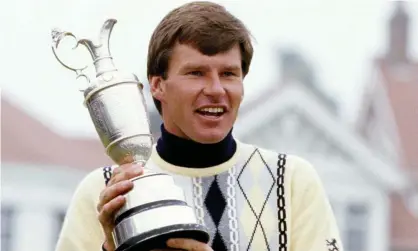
x,y
118,111
97,115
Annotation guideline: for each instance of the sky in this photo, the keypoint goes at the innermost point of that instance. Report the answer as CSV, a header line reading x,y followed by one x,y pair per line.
x,y
339,38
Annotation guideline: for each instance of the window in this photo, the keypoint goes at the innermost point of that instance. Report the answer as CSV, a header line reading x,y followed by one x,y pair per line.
x,y
356,227
7,214
59,220
337,208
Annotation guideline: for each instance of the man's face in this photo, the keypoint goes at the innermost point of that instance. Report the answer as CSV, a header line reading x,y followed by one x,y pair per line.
x,y
201,95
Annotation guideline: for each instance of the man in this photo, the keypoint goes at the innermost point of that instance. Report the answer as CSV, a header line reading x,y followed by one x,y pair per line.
x,y
250,198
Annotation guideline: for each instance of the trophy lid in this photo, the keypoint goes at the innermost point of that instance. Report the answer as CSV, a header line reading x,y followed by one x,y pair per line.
x,y
99,50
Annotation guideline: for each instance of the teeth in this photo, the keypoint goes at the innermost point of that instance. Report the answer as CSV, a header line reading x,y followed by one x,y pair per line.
x,y
213,109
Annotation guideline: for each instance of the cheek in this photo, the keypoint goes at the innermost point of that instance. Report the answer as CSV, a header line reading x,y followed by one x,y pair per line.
x,y
188,92
236,93
174,94
182,99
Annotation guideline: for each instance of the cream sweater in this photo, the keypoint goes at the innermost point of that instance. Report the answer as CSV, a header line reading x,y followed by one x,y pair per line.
x,y
264,201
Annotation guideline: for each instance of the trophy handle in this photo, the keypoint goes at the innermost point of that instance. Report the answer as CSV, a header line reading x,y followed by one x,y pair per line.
x,y
99,51
57,36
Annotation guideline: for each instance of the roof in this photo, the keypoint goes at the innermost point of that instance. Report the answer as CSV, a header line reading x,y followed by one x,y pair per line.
x,y
27,140
401,84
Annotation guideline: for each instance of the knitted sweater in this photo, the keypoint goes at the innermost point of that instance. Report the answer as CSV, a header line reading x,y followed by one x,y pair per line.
x,y
257,200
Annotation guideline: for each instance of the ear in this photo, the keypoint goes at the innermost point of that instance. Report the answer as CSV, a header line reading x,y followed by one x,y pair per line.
x,y
156,87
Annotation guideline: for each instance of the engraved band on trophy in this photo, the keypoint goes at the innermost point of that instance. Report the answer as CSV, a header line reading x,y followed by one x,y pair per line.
x,y
155,208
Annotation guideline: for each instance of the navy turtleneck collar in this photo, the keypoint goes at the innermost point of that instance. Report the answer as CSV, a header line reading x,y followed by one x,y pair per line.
x,y
187,153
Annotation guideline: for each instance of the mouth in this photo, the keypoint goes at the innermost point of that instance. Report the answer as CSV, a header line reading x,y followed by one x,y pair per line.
x,y
212,112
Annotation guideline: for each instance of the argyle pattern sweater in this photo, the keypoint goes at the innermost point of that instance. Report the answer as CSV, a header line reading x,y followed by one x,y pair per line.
x,y
258,200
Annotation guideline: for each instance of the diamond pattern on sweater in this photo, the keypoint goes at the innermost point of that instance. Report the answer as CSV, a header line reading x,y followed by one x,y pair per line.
x,y
216,204
253,214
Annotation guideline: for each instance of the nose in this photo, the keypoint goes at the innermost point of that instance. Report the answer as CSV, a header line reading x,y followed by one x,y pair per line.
x,y
214,86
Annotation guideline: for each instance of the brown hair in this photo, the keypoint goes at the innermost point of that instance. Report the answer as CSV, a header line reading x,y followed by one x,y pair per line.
x,y
207,26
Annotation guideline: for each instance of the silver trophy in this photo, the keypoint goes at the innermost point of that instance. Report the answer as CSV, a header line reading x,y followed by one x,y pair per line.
x,y
155,209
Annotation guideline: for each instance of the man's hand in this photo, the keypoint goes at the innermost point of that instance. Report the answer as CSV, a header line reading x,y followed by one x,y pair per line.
x,y
112,199
187,245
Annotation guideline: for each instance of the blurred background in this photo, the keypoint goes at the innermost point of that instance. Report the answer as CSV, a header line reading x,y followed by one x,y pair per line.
x,y
333,81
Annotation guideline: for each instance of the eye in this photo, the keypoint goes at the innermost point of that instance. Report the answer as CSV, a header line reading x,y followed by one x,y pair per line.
x,y
195,73
228,74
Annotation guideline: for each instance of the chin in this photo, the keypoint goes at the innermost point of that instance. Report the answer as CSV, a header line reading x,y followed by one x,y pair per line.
x,y
210,137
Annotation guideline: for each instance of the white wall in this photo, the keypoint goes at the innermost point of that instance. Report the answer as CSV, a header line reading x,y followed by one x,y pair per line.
x,y
37,195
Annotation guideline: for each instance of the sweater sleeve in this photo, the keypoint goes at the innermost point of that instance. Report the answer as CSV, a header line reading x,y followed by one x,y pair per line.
x,y
81,228
313,225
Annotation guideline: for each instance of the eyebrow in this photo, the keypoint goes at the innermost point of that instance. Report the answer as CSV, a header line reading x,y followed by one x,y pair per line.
x,y
192,66
232,68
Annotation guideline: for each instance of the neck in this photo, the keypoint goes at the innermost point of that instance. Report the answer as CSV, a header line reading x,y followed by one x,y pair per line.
x,y
187,153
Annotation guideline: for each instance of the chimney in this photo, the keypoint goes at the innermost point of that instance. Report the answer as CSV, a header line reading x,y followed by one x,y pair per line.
x,y
398,35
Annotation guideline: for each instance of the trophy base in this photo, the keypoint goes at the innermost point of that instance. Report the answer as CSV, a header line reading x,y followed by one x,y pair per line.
x,y
157,238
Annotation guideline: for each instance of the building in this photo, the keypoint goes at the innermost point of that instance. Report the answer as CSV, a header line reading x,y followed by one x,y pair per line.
x,y
389,121
40,170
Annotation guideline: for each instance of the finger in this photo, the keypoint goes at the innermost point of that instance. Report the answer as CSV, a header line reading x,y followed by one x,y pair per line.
x,y
113,191
125,173
109,209
188,244
116,170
